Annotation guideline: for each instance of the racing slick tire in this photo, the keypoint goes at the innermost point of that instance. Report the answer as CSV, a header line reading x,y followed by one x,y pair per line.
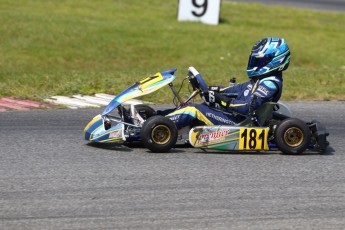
x,y
159,134
292,136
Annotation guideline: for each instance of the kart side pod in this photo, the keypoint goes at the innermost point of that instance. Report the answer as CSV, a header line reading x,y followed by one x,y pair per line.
x,y
96,131
233,138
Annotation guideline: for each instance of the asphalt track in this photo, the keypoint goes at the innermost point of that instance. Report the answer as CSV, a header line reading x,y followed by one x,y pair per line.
x,y
323,5
50,178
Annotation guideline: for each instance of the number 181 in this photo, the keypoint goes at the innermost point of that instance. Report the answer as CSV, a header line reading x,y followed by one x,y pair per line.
x,y
251,140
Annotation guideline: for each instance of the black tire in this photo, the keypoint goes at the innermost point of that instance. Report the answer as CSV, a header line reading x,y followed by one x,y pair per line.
x,y
159,134
292,136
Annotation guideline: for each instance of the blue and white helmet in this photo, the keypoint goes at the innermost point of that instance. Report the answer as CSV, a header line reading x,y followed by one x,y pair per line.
x,y
268,55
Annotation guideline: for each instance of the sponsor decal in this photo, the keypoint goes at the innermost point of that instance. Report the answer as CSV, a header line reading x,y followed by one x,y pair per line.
x,y
263,90
205,138
211,96
175,117
115,134
221,119
215,88
246,92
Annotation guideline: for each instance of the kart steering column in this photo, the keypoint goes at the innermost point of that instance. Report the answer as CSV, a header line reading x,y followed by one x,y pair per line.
x,y
175,93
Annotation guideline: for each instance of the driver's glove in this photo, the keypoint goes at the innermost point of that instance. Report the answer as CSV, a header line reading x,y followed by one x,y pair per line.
x,y
215,99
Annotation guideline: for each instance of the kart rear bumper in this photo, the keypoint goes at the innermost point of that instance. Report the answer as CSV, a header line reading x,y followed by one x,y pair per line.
x,y
319,136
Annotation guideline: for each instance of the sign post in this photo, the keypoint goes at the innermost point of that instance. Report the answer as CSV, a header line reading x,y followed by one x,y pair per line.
x,y
205,11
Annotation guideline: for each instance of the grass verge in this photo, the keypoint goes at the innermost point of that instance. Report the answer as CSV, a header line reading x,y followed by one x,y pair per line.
x,y
51,47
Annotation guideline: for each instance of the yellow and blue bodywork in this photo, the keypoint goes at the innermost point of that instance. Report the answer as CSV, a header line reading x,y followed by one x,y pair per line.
x,y
141,88
95,130
223,137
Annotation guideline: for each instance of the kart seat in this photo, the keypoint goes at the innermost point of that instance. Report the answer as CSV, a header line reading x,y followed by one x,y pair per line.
x,y
261,114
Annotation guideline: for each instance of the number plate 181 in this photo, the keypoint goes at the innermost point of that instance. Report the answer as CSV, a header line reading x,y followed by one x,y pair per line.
x,y
253,139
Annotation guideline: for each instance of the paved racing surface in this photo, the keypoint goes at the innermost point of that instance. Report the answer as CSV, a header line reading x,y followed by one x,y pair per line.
x,y
324,5
50,178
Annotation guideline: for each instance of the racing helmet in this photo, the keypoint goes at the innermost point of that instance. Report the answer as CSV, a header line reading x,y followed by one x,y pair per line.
x,y
268,55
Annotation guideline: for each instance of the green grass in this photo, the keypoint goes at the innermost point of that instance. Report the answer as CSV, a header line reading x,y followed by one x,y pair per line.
x,y
65,47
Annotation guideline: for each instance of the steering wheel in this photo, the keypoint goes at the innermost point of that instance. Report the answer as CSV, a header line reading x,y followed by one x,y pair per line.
x,y
196,80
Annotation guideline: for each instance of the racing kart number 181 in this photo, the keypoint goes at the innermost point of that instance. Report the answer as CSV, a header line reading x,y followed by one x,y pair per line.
x,y
270,127
230,138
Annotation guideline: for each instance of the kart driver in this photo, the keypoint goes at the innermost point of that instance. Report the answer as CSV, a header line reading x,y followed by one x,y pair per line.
x,y
268,58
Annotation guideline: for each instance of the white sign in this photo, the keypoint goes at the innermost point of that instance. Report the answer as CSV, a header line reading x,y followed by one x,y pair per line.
x,y
206,11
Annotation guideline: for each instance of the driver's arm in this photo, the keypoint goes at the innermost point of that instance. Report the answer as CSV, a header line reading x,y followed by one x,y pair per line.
x,y
264,92
244,103
217,96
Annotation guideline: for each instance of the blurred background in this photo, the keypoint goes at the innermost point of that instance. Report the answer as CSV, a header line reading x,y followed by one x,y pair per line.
x,y
51,47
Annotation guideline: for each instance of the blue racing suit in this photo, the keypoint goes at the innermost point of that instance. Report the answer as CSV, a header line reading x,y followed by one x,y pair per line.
x,y
250,95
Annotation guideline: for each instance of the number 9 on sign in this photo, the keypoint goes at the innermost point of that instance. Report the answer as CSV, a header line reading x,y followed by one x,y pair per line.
x,y
206,11
202,6
253,139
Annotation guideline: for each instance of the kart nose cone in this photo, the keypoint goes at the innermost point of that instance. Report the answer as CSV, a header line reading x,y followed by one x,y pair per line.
x,y
90,128
101,130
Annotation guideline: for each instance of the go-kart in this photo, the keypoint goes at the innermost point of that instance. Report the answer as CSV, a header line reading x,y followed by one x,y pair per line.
x,y
270,127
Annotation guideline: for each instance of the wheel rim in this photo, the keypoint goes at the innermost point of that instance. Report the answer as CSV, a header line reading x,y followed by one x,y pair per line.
x,y
293,137
161,134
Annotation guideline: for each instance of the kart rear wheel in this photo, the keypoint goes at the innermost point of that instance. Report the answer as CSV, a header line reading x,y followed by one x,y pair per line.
x,y
292,136
159,134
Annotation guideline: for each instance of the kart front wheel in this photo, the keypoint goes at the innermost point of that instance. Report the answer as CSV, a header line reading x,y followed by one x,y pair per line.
x,y
292,136
159,134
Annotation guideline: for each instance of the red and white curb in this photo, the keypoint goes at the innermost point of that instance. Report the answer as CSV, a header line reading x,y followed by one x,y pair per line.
x,y
84,101
73,102
7,103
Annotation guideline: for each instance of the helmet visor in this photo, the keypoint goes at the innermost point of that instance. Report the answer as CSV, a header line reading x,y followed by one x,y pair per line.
x,y
259,62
